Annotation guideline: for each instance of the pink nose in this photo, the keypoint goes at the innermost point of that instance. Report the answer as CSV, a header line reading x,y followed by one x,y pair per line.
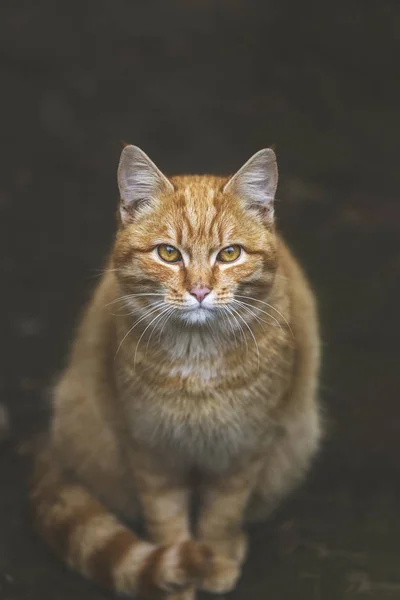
x,y
199,292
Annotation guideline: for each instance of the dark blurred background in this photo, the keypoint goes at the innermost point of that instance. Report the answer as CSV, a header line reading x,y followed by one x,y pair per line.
x,y
201,85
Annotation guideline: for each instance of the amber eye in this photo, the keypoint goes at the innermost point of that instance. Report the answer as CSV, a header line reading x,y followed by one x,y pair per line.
x,y
229,254
169,253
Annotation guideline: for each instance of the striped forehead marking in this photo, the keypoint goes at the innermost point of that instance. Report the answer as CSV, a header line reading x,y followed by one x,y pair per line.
x,y
199,213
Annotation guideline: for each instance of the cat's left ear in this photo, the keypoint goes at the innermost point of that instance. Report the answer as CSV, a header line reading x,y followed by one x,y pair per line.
x,y
140,182
256,182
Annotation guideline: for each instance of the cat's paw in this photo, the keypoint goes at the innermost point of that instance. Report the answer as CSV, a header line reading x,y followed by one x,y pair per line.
x,y
239,546
234,546
223,576
183,565
189,594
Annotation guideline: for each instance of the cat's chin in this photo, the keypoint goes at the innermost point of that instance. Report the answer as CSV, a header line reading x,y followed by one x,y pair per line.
x,y
196,316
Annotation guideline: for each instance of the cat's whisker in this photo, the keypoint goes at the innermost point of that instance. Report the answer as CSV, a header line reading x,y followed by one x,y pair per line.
x,y
252,335
136,310
269,306
154,327
226,318
144,331
100,272
165,322
230,309
258,319
132,296
230,314
245,304
147,314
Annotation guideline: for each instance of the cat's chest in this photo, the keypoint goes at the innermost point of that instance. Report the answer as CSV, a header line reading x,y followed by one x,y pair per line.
x,y
204,431
194,364
195,377
196,414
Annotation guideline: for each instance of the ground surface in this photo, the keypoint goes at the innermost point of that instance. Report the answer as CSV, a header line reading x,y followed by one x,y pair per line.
x,y
201,85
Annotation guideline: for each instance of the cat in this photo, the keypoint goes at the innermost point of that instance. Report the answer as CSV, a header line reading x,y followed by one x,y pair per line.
x,y
193,374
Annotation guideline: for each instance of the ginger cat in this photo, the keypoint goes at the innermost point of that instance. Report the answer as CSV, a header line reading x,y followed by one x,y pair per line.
x,y
193,374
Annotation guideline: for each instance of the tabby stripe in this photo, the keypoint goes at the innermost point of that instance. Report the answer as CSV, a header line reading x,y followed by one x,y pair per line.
x,y
87,539
104,562
60,531
126,572
149,576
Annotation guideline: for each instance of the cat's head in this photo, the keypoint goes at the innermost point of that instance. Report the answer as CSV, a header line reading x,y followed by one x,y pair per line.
x,y
195,247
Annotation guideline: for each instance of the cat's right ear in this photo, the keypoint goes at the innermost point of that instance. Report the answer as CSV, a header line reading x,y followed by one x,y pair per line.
x,y
255,184
140,182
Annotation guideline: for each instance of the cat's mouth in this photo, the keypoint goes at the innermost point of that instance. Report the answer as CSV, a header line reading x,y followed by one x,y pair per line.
x,y
197,314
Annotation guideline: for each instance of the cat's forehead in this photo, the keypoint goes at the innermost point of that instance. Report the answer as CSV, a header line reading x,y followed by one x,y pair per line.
x,y
198,209
198,192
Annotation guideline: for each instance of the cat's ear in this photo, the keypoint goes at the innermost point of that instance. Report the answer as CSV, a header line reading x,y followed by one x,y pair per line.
x,y
140,182
256,182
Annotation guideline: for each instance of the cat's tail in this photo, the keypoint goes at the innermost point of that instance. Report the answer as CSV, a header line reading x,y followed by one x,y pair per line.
x,y
93,542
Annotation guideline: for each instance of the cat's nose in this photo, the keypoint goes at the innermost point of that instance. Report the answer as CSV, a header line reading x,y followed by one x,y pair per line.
x,y
199,292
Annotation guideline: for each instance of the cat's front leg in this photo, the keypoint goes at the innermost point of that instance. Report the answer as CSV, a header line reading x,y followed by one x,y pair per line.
x,y
164,498
224,501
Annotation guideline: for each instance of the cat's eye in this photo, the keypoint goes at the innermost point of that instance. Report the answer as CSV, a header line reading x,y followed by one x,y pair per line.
x,y
169,253
229,254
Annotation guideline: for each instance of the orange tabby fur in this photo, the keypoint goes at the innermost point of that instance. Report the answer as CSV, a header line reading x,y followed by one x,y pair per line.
x,y
162,400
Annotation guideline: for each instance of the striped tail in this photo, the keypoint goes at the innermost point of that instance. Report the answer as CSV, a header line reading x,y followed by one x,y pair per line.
x,y
93,542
